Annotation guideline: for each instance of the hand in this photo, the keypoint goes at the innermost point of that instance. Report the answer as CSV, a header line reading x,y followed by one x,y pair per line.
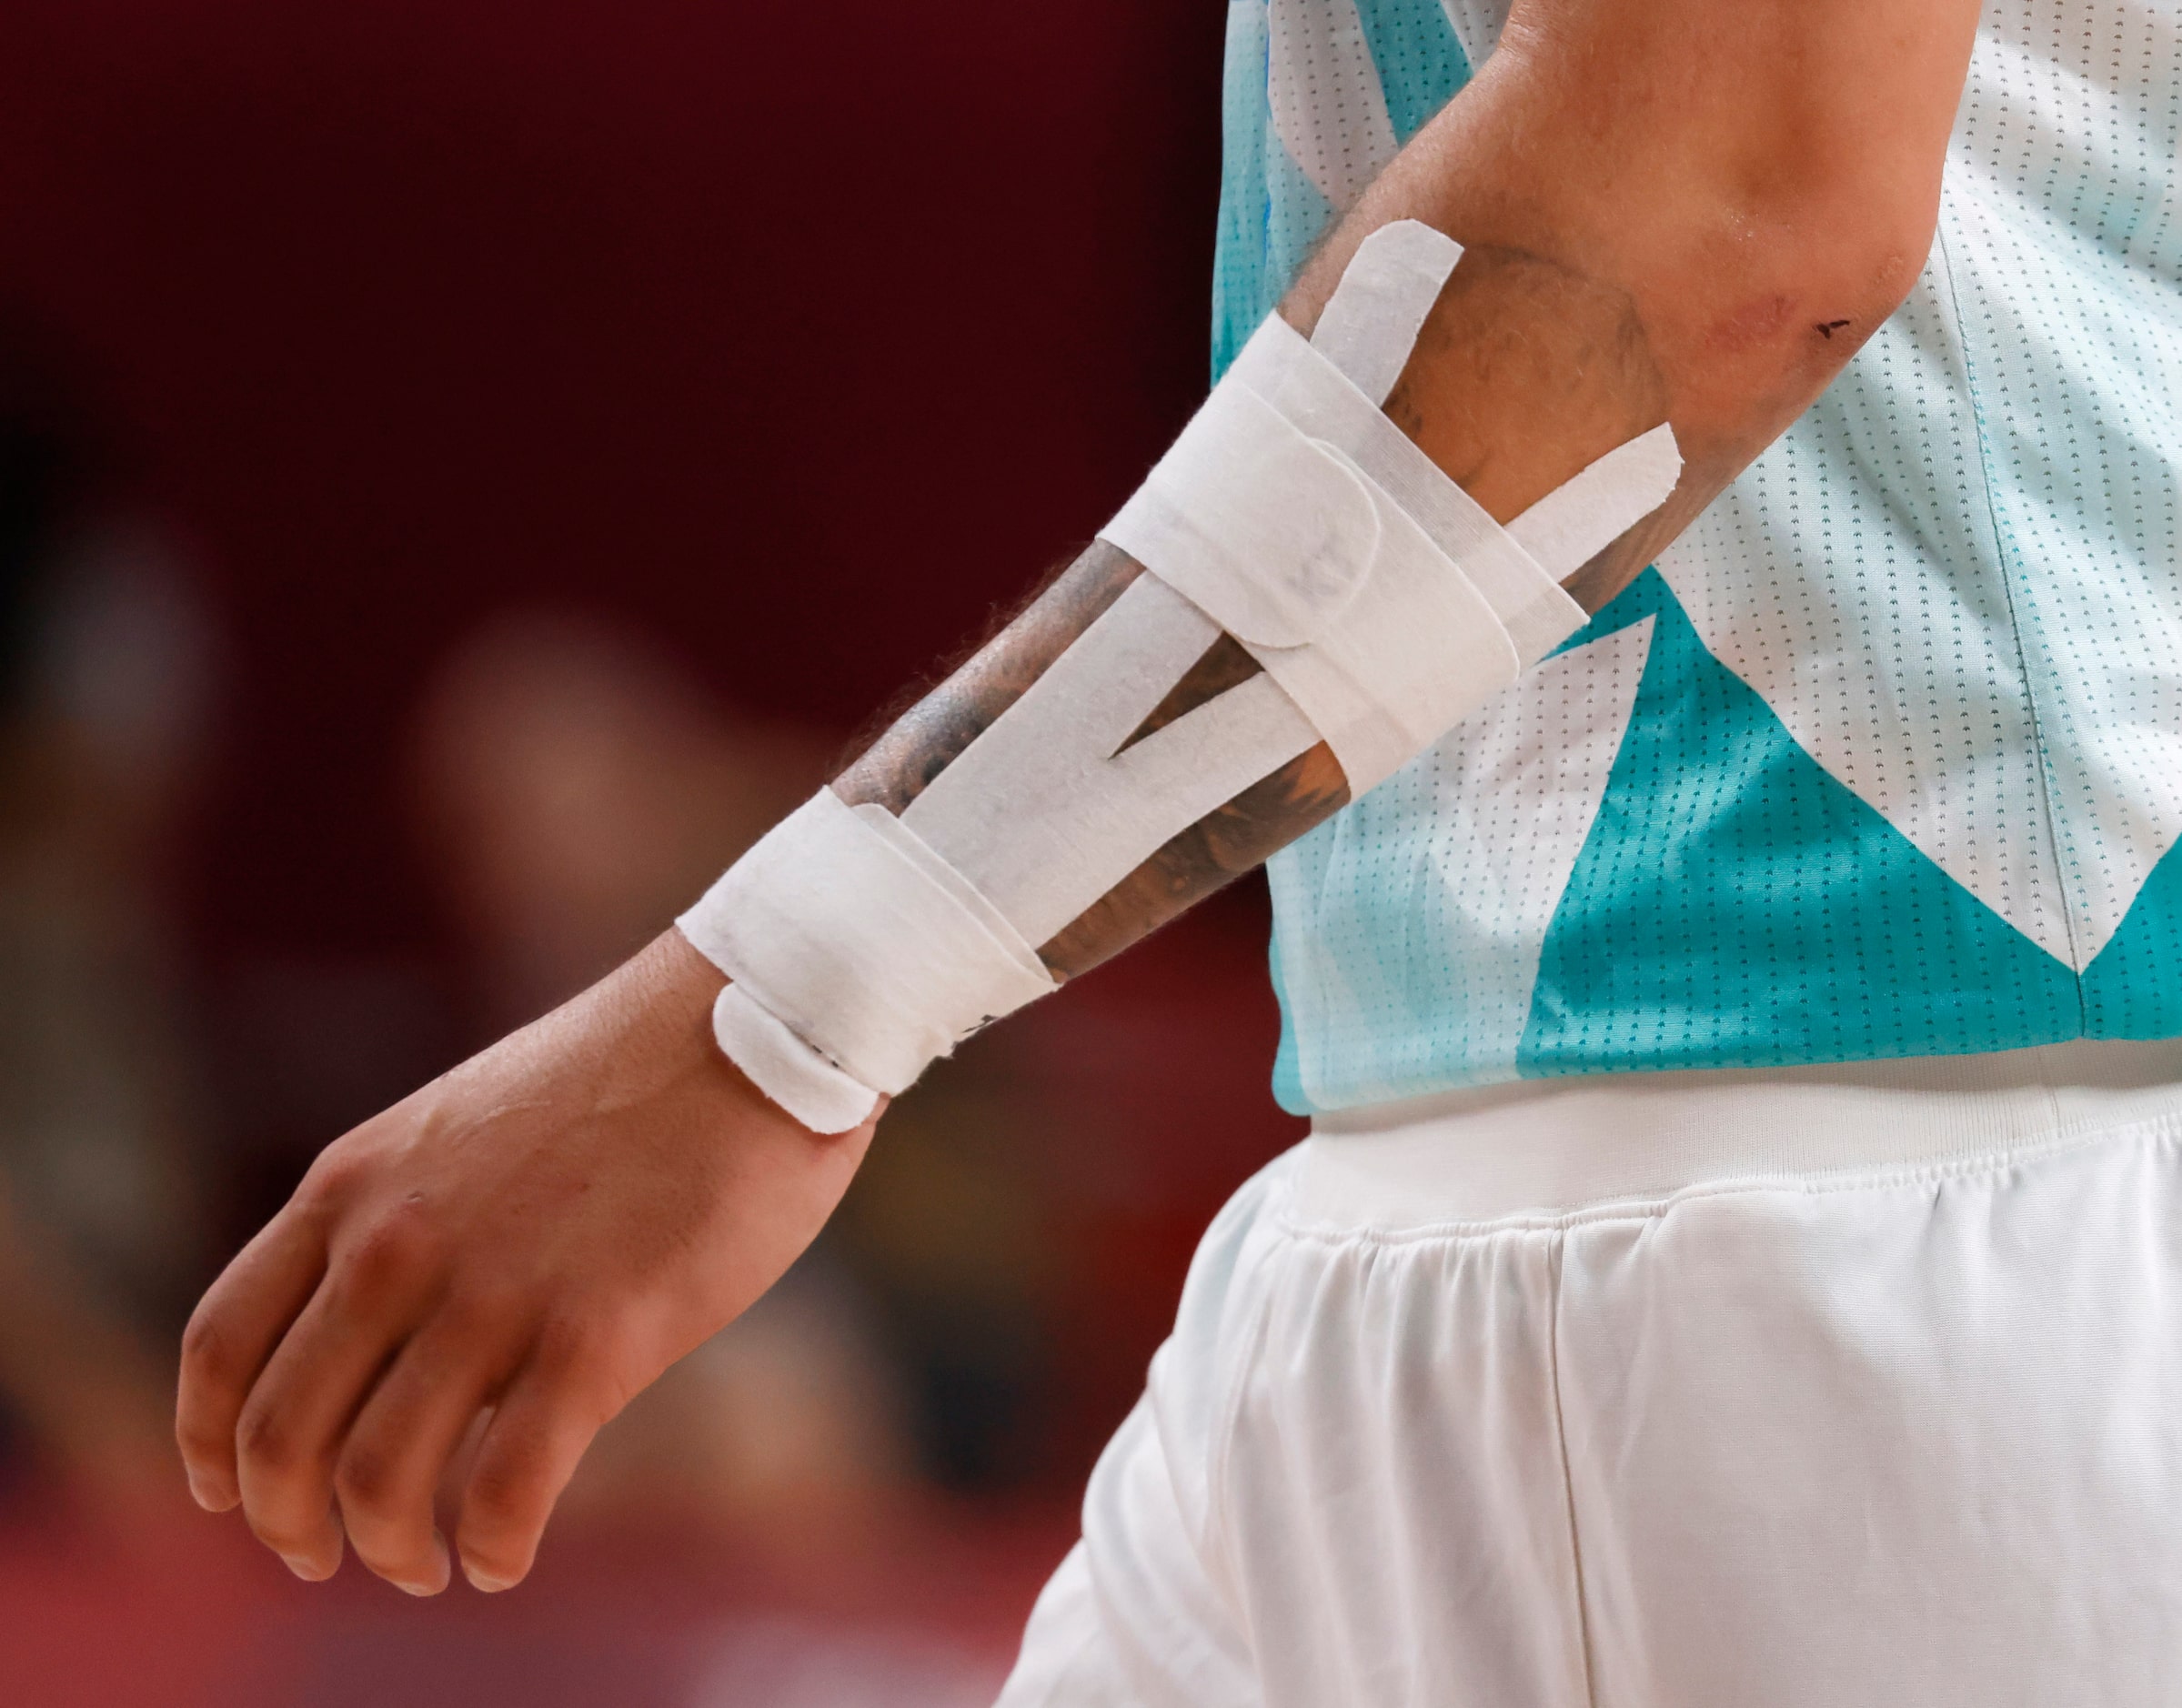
x,y
533,1236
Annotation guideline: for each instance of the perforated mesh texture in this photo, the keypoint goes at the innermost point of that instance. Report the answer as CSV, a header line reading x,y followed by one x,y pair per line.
x,y
1903,774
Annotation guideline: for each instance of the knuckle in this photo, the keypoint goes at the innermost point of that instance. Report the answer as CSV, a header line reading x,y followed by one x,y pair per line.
x,y
388,1251
263,1438
468,1312
503,1490
334,1177
368,1479
572,1346
204,1344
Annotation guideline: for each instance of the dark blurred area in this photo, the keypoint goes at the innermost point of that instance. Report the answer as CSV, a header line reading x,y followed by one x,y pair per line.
x,y
464,470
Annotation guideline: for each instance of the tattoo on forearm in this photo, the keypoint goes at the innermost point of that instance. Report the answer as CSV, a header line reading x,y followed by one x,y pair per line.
x,y
920,743
1237,839
1514,337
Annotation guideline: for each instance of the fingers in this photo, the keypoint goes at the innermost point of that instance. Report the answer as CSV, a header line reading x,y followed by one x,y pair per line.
x,y
230,1336
292,1423
543,1425
391,1464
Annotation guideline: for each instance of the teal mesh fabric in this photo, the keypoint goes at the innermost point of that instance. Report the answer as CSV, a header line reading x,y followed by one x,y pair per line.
x,y
1885,757
1735,907
1418,57
1245,284
2133,987
1271,210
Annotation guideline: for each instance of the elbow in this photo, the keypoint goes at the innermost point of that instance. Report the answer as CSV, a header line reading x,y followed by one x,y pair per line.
x,y
1866,237
1790,285
1846,241
1893,253
1868,259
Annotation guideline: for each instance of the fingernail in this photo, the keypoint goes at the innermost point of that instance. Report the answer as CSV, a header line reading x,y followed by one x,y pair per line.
x,y
483,1581
208,1496
433,1581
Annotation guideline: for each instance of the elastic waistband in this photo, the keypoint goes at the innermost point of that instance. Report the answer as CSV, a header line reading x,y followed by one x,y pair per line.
x,y
1551,1146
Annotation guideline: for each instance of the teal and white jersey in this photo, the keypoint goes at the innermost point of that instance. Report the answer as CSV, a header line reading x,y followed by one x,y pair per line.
x,y
1885,757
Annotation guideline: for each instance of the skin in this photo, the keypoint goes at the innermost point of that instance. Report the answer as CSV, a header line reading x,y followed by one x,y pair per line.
x,y
1693,210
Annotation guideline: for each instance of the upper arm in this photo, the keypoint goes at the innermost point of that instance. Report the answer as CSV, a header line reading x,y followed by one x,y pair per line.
x,y
1694,210
1765,105
1733,125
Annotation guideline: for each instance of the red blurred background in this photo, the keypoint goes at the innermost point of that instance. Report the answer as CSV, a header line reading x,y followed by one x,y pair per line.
x,y
535,437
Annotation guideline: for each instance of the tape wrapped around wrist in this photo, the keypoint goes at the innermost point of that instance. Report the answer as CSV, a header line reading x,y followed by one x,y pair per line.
x,y
1383,604
862,945
786,1068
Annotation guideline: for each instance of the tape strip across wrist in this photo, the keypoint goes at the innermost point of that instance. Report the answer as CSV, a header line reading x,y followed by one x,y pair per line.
x,y
1382,601
861,943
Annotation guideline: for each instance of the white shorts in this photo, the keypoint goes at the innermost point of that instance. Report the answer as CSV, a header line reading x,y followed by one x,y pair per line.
x,y
1822,1387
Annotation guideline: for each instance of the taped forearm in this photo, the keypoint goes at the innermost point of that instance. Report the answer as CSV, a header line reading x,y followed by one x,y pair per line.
x,y
1316,582
1236,837
1296,602
1523,373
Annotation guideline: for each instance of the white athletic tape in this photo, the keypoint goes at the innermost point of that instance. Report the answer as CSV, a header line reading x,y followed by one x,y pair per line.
x,y
1382,641
1383,602
1267,532
1385,293
786,1068
1047,810
831,926
1576,522
1367,332
1288,371
1382,598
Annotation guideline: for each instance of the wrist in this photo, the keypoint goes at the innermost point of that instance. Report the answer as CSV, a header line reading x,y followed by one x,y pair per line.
x,y
686,989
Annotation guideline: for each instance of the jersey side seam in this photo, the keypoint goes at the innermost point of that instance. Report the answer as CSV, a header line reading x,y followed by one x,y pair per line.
x,y
2014,622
